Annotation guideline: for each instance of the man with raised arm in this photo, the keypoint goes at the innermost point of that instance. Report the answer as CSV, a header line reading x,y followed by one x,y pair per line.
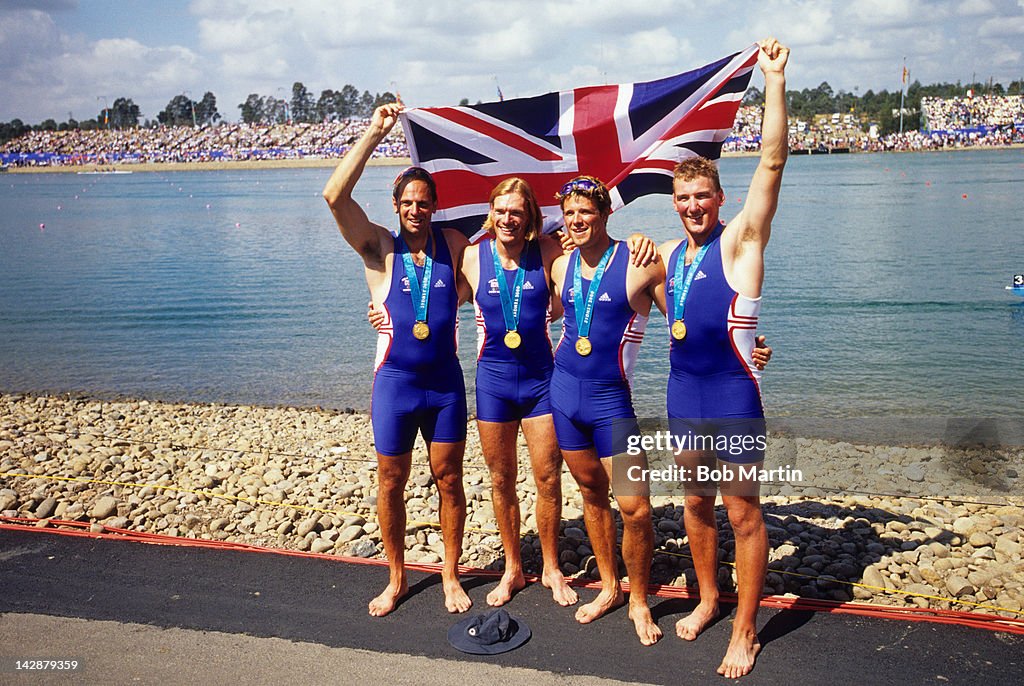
x,y
713,296
418,384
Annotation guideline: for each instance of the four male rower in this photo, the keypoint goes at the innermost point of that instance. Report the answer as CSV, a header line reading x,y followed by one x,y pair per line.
x,y
710,283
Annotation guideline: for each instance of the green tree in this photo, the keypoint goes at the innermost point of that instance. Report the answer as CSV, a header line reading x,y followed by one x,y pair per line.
x,y
365,107
124,114
303,106
252,109
178,112
206,109
348,102
382,99
275,110
327,106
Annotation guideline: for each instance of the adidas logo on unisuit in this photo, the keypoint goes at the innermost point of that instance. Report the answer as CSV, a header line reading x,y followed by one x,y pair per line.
x,y
439,284
700,275
527,286
605,298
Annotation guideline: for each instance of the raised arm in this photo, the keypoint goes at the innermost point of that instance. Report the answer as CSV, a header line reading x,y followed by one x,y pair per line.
x,y
368,239
763,195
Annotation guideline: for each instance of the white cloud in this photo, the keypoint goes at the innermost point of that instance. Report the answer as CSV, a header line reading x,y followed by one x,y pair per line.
x,y
1003,27
439,52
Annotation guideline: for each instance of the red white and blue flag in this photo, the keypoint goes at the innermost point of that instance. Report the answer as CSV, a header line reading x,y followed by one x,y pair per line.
x,y
628,135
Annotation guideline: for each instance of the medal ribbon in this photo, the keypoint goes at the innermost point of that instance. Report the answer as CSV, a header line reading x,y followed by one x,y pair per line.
x,y
585,312
680,291
420,291
510,302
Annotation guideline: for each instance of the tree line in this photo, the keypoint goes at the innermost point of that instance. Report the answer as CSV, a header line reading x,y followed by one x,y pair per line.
x,y
881,107
347,103
181,110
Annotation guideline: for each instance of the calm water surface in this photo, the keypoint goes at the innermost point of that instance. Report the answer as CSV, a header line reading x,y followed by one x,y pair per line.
x,y
884,292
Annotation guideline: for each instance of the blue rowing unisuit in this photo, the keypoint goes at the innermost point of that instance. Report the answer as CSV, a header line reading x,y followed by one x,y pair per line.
x,y
590,395
512,383
713,385
418,384
397,348
616,330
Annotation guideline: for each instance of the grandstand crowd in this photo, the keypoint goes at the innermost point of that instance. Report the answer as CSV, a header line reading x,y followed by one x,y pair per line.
x,y
987,120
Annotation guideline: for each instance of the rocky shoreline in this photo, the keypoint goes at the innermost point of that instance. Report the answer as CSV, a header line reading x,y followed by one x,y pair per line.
x,y
895,525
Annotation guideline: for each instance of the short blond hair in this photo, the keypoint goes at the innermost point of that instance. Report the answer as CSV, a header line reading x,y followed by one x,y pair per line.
x,y
696,168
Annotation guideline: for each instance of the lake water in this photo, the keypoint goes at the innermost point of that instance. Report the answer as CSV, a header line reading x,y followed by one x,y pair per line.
x,y
884,292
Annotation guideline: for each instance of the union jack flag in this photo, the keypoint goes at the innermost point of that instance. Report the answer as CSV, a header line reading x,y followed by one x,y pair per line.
x,y
628,135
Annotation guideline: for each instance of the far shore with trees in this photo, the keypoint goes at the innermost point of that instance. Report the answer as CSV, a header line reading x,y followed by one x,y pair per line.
x,y
880,108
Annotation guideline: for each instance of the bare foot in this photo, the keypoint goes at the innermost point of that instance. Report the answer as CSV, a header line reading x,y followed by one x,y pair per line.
x,y
455,598
561,591
690,626
509,584
646,629
386,601
739,658
603,603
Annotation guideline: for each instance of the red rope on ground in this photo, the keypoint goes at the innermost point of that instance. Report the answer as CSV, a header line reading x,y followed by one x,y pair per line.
x,y
975,620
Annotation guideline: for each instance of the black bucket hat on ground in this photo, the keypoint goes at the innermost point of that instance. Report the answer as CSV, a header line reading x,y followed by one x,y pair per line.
x,y
489,634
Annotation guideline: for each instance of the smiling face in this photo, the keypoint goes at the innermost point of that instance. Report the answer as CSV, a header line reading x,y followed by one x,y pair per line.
x,y
698,203
585,224
415,207
509,218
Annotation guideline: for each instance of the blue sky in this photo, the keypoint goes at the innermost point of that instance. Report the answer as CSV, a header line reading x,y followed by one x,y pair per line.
x,y
69,56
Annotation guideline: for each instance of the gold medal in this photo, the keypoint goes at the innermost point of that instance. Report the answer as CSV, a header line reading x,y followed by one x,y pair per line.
x,y
583,346
678,330
420,330
513,340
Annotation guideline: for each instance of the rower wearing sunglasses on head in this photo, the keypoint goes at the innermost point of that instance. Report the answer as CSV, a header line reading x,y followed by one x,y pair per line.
x,y
607,299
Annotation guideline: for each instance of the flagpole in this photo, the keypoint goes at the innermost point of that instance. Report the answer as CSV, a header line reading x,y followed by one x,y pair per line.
x,y
903,88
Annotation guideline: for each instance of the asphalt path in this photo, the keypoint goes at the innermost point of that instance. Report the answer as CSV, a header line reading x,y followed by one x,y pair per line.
x,y
140,613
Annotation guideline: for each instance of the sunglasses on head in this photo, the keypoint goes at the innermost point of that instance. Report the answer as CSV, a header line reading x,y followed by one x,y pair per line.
x,y
585,185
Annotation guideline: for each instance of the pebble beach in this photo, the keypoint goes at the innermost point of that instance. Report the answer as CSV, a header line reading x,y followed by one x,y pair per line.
x,y
898,525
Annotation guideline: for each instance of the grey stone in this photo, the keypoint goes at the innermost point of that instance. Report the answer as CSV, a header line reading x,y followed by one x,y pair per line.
x,y
321,545
8,499
959,587
350,533
363,548
45,508
104,507
914,472
307,525
964,525
574,532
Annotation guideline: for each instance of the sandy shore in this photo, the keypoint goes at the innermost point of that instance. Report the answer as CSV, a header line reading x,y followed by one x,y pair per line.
x,y
893,525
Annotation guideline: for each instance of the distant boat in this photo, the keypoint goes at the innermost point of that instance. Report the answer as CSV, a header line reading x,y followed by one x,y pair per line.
x,y
1017,285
